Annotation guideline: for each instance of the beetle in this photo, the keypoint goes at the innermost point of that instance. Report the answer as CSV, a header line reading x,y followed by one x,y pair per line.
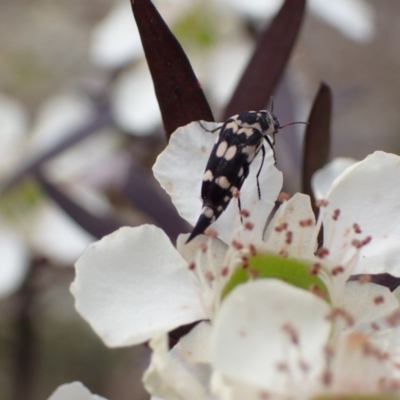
x,y
239,141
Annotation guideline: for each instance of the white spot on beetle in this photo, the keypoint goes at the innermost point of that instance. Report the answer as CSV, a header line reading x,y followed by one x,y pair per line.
x,y
230,153
221,149
249,150
208,212
223,182
208,176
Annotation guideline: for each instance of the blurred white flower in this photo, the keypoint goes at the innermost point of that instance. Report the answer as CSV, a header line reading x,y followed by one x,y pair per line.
x,y
151,286
30,224
323,179
74,391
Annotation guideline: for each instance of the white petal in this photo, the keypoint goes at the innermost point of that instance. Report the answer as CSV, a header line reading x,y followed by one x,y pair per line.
x,y
294,213
217,250
57,118
170,378
323,179
195,347
255,8
54,234
134,102
73,391
133,284
251,340
367,194
354,18
14,261
116,40
13,125
180,168
367,302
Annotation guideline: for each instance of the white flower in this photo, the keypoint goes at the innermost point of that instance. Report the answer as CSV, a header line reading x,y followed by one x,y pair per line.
x,y
74,391
359,220
30,223
134,284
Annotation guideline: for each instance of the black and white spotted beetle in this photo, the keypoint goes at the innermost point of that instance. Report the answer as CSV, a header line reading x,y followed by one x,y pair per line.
x,y
240,140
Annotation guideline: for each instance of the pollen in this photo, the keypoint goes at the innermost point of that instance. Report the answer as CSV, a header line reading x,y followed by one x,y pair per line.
x,y
336,214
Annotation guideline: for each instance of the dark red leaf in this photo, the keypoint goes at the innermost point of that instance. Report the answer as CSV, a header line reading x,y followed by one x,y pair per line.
x,y
317,137
179,94
269,60
96,226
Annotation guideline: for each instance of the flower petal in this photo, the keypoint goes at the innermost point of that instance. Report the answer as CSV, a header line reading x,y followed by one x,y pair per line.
x,y
367,194
180,168
297,215
189,251
323,179
133,284
367,301
74,391
169,378
195,347
266,323
134,102
14,261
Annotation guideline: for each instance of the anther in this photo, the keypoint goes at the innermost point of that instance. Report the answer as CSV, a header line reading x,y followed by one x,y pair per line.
x,y
245,262
366,240
237,245
249,225
337,270
321,203
336,214
291,331
374,326
306,222
315,289
322,252
338,312
236,194
357,228
315,268
252,250
224,271
192,266
327,377
283,196
253,273
283,253
283,226
289,237
209,275
245,213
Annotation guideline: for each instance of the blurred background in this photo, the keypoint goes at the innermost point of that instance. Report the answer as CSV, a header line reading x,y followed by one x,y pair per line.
x,y
80,129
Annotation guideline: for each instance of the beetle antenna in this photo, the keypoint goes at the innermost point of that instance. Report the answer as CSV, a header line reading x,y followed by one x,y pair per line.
x,y
272,104
294,123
